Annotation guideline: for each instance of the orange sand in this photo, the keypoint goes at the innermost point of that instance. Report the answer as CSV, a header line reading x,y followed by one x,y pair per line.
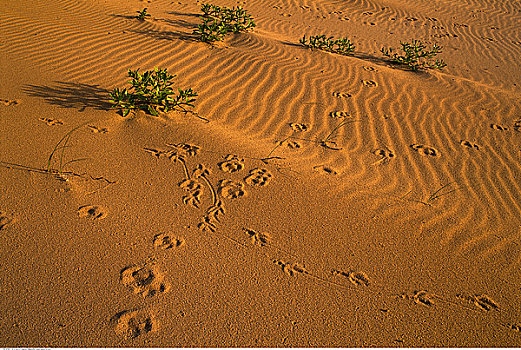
x,y
312,246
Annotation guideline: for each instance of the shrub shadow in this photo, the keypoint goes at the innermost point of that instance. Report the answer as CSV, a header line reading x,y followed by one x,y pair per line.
x,y
71,95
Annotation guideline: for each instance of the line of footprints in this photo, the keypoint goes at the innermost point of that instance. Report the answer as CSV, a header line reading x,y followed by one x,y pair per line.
x,y
148,281
384,154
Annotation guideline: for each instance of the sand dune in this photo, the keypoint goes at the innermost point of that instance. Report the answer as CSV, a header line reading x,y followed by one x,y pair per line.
x,y
312,199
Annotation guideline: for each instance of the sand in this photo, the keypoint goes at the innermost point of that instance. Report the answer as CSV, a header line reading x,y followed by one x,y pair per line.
x,y
248,230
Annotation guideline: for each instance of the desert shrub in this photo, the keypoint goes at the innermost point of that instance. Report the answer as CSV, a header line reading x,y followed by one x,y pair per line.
x,y
416,55
219,21
143,14
341,46
151,92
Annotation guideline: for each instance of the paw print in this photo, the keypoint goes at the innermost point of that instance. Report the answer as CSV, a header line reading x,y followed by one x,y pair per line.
x,y
232,164
258,177
231,189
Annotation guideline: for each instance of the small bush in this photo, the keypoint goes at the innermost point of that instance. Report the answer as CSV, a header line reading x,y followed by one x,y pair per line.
x,y
143,14
416,56
219,21
341,46
151,92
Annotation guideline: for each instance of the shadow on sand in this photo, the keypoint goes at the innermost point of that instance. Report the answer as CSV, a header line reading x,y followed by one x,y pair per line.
x,y
71,95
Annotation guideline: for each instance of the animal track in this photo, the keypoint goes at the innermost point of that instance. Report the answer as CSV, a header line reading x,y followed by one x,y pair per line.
x,y
357,278
385,155
9,102
50,121
133,323
146,280
325,169
425,150
299,127
258,177
340,115
369,83
421,297
517,125
370,69
195,191
5,220
341,94
97,130
290,268
498,127
258,238
469,144
165,241
515,327
94,212
231,189
483,301
290,144
232,164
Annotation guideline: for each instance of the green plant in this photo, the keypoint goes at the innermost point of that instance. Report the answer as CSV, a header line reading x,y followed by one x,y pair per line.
x,y
342,46
416,55
219,21
143,14
151,92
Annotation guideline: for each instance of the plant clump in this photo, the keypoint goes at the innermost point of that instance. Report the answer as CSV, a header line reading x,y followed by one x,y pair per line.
x,y
143,14
219,21
151,92
342,46
416,55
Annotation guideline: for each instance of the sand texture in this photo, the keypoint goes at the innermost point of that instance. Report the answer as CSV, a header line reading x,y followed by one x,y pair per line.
x,y
326,200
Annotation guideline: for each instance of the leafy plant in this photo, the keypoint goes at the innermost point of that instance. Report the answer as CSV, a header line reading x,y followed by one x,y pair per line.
x,y
151,92
219,21
342,46
143,14
416,55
